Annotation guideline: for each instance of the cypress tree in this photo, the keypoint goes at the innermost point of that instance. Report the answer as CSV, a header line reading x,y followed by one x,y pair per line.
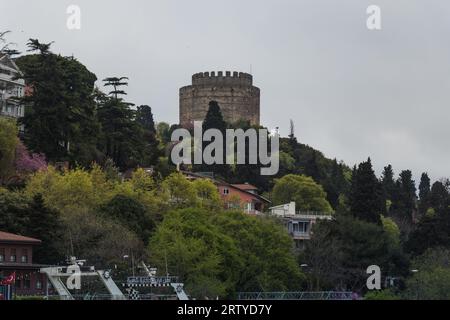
x,y
387,180
424,192
214,120
407,194
150,152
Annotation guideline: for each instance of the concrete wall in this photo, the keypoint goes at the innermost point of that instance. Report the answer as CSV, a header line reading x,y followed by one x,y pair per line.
x,y
237,97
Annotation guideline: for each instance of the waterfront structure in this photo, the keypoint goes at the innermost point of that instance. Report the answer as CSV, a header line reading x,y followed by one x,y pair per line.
x,y
16,258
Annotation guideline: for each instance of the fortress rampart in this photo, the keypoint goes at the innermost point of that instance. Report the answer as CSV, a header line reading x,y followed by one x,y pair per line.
x,y
234,91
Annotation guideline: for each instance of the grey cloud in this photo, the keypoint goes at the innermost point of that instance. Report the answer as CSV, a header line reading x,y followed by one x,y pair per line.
x,y
352,93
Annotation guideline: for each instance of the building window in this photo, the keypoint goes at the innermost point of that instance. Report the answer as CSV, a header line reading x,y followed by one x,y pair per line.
x,y
24,257
2,254
303,227
26,282
38,284
13,256
226,191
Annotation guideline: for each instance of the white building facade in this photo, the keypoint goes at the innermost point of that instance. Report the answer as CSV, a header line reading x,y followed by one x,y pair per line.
x,y
11,88
298,223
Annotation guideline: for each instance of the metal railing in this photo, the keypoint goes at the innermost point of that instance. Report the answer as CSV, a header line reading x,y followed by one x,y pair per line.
x,y
313,213
299,295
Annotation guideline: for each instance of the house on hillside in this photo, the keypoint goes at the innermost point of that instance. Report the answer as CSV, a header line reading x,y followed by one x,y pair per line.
x,y
16,260
244,196
11,88
298,223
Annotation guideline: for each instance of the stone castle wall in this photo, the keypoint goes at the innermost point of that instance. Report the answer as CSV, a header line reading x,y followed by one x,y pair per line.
x,y
237,97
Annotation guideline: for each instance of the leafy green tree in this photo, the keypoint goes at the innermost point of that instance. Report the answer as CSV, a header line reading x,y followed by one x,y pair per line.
x,y
334,176
432,279
103,242
207,194
265,249
355,244
164,167
8,144
432,231
179,191
32,218
366,202
323,259
60,119
385,294
194,249
13,212
221,253
163,132
130,213
303,190
392,231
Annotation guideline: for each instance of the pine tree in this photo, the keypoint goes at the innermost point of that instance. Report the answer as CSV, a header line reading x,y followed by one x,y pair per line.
x,y
122,136
44,224
439,197
116,83
60,116
366,194
312,167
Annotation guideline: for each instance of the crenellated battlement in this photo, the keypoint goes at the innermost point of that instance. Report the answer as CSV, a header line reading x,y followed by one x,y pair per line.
x,y
227,78
234,91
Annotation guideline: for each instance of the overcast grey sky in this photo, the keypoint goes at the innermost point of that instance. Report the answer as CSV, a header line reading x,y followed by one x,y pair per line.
x,y
351,92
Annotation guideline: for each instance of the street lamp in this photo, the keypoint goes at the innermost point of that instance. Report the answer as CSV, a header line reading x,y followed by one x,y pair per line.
x,y
417,283
132,261
309,280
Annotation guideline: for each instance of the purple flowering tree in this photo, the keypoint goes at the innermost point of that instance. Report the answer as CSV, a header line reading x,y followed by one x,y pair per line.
x,y
27,162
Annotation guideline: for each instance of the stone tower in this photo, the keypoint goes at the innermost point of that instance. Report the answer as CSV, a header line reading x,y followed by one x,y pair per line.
x,y
237,97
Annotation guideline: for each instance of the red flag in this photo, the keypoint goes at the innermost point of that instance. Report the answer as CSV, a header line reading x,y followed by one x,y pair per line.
x,y
11,279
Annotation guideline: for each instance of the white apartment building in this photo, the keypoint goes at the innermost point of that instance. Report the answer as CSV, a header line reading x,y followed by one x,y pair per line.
x,y
298,223
10,88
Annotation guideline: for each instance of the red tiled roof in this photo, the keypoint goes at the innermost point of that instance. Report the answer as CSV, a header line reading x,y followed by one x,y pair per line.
x,y
195,175
245,186
10,237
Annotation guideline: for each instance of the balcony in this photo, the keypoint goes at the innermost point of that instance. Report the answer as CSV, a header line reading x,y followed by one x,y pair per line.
x,y
300,235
